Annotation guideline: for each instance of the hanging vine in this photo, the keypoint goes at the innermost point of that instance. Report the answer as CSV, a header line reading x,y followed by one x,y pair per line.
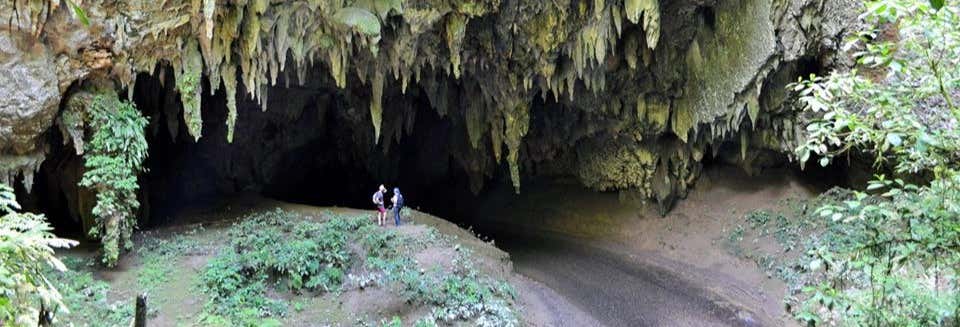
x,y
113,157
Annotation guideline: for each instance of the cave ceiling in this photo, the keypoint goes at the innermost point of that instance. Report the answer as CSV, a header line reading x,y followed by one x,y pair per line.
x,y
632,93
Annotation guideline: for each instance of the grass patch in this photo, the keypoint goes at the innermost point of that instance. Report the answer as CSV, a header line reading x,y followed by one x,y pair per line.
x,y
462,294
159,257
278,249
87,298
283,251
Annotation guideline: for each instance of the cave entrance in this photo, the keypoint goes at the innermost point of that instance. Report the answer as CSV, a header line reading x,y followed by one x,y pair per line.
x,y
312,145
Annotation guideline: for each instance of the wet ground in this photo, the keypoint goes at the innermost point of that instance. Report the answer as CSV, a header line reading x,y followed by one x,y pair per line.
x,y
624,265
617,290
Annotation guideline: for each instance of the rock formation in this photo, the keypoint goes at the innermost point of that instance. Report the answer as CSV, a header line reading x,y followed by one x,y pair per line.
x,y
623,95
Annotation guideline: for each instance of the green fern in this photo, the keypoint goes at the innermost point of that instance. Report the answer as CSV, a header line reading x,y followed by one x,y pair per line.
x,y
26,255
114,156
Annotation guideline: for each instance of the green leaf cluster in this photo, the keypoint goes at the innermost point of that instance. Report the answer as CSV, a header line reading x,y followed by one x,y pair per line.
x,y
113,157
276,246
461,294
896,264
26,256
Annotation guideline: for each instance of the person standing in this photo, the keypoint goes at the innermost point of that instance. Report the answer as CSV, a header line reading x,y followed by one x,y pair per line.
x,y
378,201
397,200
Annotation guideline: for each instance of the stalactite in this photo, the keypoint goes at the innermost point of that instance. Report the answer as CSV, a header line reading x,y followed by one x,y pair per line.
x,y
230,86
517,124
188,76
456,30
481,63
376,103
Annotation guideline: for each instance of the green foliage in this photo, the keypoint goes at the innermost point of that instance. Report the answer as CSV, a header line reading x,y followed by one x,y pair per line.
x,y
380,243
79,13
283,251
395,322
460,294
159,256
894,259
88,297
275,247
237,297
113,158
26,251
304,254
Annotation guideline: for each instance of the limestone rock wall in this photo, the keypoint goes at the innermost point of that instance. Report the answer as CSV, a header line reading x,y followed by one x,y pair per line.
x,y
628,94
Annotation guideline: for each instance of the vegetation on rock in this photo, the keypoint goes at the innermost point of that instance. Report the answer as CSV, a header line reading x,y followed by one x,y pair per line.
x,y
113,157
603,62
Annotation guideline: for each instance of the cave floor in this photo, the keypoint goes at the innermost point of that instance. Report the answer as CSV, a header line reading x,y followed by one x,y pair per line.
x,y
576,257
175,299
625,265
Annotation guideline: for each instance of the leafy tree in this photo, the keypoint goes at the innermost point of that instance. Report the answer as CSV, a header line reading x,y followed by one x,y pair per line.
x,y
26,251
113,158
897,264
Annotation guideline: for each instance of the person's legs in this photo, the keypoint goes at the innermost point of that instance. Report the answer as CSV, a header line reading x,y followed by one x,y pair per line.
x,y
396,217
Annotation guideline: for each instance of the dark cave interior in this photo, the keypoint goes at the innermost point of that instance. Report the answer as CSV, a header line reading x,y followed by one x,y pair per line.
x,y
305,148
313,145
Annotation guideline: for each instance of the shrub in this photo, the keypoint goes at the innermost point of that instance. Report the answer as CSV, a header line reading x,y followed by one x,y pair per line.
x,y
88,298
303,253
893,260
275,246
380,243
26,252
461,294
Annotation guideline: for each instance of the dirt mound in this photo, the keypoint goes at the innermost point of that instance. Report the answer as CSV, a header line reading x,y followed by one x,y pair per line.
x,y
169,261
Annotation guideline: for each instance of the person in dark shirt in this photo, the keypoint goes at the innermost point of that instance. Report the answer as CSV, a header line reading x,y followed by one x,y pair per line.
x,y
397,200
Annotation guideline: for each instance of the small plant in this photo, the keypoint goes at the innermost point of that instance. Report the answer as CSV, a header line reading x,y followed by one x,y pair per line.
x,y
88,297
395,322
237,297
461,294
380,243
26,254
276,248
159,256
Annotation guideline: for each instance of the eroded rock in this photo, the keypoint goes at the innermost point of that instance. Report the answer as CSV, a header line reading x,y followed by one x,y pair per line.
x,y
635,93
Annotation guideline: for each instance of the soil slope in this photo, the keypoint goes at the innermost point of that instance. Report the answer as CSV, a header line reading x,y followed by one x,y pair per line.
x,y
175,301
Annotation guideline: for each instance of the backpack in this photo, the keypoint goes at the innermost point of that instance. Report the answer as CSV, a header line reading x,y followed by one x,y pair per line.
x,y
399,203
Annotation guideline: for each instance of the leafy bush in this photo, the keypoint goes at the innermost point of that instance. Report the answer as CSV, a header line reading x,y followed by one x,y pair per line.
x,y
275,246
113,158
88,298
461,294
26,252
380,243
237,297
282,249
895,260
303,253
